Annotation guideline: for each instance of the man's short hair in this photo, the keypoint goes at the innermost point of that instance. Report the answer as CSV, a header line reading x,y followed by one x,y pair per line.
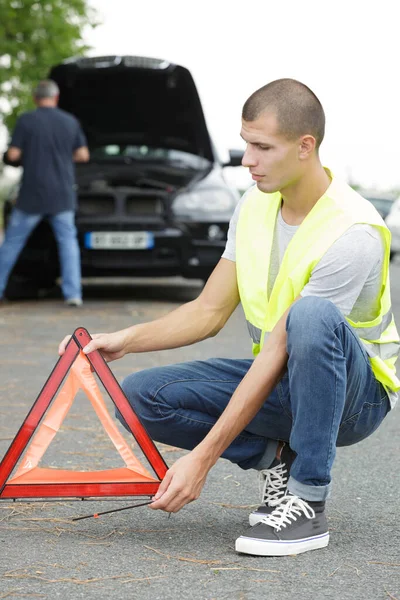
x,y
46,89
297,108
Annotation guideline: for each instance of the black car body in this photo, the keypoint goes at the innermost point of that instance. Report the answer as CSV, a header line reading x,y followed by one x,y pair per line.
x,y
152,201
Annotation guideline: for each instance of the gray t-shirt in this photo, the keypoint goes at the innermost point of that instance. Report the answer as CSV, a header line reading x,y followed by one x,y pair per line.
x,y
349,274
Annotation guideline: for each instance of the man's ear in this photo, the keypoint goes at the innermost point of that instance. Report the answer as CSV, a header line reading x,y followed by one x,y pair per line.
x,y
307,146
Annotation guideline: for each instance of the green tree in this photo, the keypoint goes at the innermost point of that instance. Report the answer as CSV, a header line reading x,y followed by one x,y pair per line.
x,y
34,35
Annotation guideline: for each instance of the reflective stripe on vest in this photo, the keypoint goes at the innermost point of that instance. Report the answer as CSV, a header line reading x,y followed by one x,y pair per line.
x,y
374,333
384,351
255,332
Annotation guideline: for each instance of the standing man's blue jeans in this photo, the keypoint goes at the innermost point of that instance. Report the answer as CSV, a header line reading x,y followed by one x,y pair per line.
x,y
328,397
63,224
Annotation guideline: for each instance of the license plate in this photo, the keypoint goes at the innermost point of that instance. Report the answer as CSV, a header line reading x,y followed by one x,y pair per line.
x,y
119,240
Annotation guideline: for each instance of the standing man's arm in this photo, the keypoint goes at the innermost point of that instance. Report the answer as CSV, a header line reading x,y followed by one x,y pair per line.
x,y
80,151
14,153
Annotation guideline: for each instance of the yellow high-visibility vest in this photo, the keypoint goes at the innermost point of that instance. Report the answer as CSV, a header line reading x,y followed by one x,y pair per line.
x,y
337,210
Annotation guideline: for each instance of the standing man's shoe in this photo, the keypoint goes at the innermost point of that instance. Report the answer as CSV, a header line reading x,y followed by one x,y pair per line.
x,y
74,302
273,483
294,526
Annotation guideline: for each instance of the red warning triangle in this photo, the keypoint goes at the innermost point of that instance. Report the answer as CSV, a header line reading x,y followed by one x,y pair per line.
x,y
43,420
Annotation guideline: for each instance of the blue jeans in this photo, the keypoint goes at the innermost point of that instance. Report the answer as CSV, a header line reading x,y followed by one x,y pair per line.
x,y
328,397
21,226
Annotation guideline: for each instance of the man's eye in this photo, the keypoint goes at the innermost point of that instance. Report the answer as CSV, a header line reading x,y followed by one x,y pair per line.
x,y
263,147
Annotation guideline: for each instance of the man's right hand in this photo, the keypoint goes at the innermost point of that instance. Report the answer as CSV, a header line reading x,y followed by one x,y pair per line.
x,y
111,345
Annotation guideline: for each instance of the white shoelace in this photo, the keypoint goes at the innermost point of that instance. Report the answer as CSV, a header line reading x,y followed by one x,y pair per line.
x,y
288,509
272,483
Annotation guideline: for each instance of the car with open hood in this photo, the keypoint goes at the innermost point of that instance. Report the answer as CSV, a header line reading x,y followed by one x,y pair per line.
x,y
152,200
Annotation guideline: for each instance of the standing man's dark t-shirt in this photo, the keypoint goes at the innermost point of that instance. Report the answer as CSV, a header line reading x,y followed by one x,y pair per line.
x,y
47,137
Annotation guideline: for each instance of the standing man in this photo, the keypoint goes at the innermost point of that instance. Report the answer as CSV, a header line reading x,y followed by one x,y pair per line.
x,y
46,141
309,260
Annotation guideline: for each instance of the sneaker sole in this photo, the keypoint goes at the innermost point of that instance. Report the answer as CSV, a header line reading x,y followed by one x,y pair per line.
x,y
257,547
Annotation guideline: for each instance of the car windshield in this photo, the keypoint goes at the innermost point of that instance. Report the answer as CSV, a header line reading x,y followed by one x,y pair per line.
x,y
148,154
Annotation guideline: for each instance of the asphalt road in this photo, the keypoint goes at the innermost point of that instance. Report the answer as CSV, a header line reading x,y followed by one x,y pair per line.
x,y
141,554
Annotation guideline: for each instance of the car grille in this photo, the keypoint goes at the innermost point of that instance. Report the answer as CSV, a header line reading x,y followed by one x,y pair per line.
x,y
104,259
106,205
96,205
139,206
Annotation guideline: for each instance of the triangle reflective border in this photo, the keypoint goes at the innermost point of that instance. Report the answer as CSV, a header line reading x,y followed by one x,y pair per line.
x,y
31,481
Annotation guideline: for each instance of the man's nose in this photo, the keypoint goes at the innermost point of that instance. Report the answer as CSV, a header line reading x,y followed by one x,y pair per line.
x,y
248,159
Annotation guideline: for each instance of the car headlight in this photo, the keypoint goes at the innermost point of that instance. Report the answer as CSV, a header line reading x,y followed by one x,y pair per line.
x,y
204,201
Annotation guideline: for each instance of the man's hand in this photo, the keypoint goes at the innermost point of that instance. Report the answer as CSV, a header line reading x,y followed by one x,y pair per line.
x,y
81,155
111,345
182,483
12,157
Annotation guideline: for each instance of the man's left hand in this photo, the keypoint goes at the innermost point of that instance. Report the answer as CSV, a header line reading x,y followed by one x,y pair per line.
x,y
182,483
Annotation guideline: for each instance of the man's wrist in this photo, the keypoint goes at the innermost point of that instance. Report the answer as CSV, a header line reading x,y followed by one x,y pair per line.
x,y
128,339
205,454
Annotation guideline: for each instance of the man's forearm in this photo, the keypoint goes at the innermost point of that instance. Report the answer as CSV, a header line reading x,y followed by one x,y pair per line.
x,y
190,323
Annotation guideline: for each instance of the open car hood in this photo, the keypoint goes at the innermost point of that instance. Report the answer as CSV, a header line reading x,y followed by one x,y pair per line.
x,y
134,100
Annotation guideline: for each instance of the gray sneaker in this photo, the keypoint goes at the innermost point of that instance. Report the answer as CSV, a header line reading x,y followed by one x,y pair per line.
x,y
273,483
293,527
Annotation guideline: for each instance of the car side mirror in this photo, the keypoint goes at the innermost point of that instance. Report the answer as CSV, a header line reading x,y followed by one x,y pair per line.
x,y
235,158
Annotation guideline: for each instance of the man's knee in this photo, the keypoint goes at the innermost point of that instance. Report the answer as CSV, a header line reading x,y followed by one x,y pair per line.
x,y
137,388
142,391
311,310
309,318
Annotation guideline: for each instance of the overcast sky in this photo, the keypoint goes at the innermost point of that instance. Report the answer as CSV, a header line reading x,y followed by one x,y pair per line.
x,y
347,52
